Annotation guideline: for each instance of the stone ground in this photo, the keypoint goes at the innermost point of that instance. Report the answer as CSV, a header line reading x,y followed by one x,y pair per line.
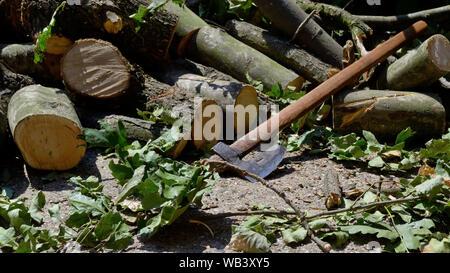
x,y
300,175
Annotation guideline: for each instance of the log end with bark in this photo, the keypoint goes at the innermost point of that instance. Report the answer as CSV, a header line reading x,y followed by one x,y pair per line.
x,y
332,190
419,68
96,69
387,113
46,128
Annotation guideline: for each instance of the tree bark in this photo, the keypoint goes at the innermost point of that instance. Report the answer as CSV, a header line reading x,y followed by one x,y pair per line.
x,y
281,50
214,47
10,82
188,24
46,128
419,68
107,20
287,16
332,189
386,113
337,17
20,59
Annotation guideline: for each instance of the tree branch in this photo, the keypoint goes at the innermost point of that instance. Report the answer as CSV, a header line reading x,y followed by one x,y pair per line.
x,y
399,22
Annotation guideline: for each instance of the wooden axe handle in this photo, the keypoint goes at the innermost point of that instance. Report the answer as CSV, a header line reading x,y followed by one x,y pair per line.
x,y
328,88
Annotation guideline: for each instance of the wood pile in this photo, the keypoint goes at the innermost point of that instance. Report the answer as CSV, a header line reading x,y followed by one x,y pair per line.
x,y
104,60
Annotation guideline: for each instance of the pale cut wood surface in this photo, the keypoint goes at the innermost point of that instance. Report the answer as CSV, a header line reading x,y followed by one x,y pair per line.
x,y
95,68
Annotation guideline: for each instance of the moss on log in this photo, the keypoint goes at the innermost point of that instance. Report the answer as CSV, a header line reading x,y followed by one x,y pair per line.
x,y
46,128
280,50
419,68
386,113
214,47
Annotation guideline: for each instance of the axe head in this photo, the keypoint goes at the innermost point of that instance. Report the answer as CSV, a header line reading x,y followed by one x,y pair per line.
x,y
262,164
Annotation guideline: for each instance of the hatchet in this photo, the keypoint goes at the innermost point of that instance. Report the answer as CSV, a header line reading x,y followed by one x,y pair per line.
x,y
267,161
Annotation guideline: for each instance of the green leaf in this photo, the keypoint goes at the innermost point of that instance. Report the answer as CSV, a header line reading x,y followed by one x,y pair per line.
x,y
143,12
18,217
431,187
106,137
380,233
83,204
295,234
337,238
317,224
120,172
436,246
113,229
41,42
54,213
248,241
377,162
8,238
132,184
77,219
169,139
36,206
437,149
404,135
411,241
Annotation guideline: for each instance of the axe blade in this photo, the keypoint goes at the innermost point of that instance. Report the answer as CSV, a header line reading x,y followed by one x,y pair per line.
x,y
264,163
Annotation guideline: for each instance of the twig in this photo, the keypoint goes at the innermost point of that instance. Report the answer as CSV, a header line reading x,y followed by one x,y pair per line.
x,y
371,205
362,194
398,22
303,24
325,247
326,213
395,227
247,213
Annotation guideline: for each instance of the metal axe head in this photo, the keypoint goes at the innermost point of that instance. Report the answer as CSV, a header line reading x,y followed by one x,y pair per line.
x,y
262,164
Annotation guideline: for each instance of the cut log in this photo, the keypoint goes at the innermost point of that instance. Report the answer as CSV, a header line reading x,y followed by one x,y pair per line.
x,y
188,24
386,113
233,97
281,50
214,47
20,59
136,128
287,17
10,82
332,189
419,68
46,128
182,105
107,20
96,69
